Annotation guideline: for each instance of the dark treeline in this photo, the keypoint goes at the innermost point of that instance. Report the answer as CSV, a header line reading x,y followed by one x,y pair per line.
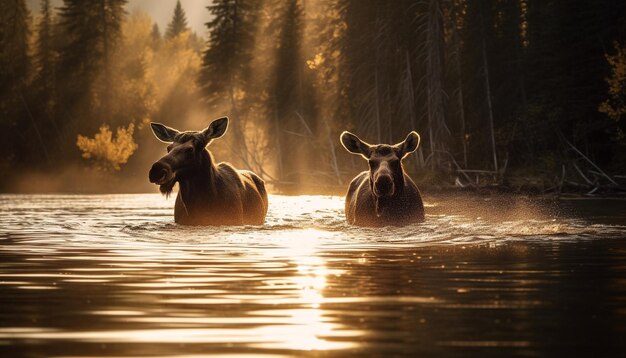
x,y
526,93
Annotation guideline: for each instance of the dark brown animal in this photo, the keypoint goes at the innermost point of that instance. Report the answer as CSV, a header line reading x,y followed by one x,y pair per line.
x,y
384,195
209,194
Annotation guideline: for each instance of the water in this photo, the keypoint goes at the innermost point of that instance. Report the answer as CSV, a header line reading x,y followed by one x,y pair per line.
x,y
112,275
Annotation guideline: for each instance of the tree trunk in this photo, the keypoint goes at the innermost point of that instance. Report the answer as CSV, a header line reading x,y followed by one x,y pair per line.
x,y
457,62
489,105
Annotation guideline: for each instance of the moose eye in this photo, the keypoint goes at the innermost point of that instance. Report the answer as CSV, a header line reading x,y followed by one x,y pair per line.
x,y
373,164
169,148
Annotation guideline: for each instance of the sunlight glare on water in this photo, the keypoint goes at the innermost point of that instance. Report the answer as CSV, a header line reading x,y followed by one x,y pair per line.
x,y
112,275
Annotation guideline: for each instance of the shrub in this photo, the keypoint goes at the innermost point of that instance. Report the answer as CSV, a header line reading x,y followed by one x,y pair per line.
x,y
105,151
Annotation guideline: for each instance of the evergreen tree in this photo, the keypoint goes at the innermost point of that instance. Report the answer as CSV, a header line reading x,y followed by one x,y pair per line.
x,y
291,97
566,70
44,52
17,127
178,23
45,78
14,33
155,35
92,29
476,51
383,64
226,64
437,129
454,82
488,83
510,93
227,59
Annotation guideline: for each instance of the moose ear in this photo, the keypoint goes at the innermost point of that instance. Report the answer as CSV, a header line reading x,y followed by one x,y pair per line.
x,y
216,129
163,133
354,145
409,145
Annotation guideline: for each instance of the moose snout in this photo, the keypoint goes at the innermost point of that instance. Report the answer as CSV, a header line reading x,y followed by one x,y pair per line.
x,y
159,173
383,186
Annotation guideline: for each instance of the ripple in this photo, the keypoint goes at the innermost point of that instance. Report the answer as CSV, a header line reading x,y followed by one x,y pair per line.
x,y
114,276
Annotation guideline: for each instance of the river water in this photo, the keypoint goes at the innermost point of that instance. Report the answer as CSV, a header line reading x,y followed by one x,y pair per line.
x,y
112,275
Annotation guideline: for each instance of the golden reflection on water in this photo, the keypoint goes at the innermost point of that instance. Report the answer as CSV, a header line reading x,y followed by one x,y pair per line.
x,y
308,325
118,273
303,327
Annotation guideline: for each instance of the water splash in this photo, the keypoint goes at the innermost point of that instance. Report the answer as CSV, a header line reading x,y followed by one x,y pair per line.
x,y
114,276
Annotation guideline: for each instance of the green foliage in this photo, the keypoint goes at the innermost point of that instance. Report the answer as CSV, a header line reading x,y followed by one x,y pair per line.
x,y
227,59
45,55
15,66
485,82
375,63
225,80
92,32
565,68
14,34
178,25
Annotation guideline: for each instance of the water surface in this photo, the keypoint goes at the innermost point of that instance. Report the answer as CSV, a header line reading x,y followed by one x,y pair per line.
x,y
112,275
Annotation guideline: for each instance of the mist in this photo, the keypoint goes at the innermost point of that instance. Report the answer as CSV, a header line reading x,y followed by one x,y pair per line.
x,y
485,84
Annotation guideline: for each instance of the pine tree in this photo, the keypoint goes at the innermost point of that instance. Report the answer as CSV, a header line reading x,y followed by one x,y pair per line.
x,y
155,35
438,132
476,51
226,64
17,127
92,30
510,93
44,52
14,59
227,59
291,97
456,110
14,33
45,78
382,65
178,23
566,70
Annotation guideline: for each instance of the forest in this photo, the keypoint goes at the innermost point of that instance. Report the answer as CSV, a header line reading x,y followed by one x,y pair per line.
x,y
527,95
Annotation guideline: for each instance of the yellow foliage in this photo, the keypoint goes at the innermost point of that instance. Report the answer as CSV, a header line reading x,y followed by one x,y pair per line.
x,y
316,61
615,105
177,64
105,151
137,31
136,92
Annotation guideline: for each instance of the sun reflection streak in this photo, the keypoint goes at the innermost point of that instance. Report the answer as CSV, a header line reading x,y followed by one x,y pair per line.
x,y
308,323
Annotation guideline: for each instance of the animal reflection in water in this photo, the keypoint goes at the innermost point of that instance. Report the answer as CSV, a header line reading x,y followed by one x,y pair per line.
x,y
209,194
384,195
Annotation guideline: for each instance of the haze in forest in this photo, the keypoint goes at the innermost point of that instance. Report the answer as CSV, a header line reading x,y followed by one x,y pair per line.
x,y
160,11
522,94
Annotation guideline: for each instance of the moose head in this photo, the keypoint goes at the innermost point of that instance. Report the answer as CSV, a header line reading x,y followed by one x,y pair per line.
x,y
185,152
386,175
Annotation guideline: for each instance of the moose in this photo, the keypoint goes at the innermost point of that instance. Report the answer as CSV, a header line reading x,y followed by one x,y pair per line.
x,y
385,195
209,193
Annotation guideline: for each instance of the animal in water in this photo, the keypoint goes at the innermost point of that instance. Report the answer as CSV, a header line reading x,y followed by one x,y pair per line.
x,y
209,193
384,195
